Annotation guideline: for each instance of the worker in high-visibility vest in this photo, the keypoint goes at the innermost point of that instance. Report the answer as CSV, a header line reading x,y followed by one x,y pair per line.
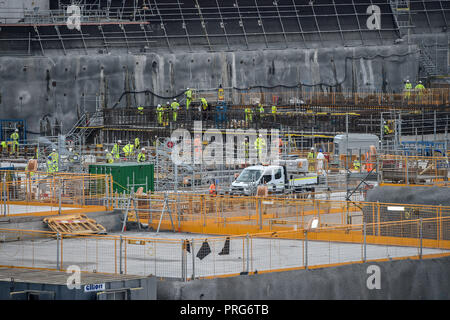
x,y
408,88
245,149
140,110
204,108
204,104
116,150
248,114
137,143
420,89
274,112
15,141
311,157
175,106
109,157
4,146
280,146
50,167
166,114
356,164
128,150
188,95
260,143
159,114
141,156
53,157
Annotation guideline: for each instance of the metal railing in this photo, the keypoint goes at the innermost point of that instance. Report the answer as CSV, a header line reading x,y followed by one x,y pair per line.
x,y
28,193
192,257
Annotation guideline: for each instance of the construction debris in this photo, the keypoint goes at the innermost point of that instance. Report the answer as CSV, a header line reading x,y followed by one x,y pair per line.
x,y
74,224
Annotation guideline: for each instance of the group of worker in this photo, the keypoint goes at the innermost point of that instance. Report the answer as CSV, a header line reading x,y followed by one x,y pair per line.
x,y
419,89
128,151
260,112
14,142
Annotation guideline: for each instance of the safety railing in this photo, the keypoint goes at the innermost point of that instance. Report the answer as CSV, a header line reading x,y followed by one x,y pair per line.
x,y
191,257
25,193
414,170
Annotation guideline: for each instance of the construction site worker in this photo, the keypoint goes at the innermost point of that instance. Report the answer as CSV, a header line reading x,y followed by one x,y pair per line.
x,y
310,157
386,129
15,141
175,106
137,143
260,143
188,95
245,149
280,146
248,114
140,110
4,146
274,112
261,111
109,157
204,104
166,116
197,148
420,88
128,150
72,155
356,164
320,159
408,88
159,114
50,168
141,155
53,157
116,150
212,189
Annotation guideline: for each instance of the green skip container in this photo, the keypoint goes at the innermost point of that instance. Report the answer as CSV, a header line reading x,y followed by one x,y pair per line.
x,y
127,176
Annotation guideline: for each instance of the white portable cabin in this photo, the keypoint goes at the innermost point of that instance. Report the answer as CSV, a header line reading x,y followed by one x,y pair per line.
x,y
356,143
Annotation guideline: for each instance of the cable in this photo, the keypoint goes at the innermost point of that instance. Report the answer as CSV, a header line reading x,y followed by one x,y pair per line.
x,y
300,84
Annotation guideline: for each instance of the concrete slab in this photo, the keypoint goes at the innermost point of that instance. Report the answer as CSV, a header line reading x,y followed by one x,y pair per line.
x,y
14,209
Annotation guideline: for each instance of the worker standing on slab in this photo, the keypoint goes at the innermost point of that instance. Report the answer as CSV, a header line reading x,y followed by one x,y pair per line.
x,y
408,88
204,108
137,143
128,150
310,157
260,144
248,115
54,156
274,112
166,114
159,114
175,106
188,95
109,157
140,110
420,89
212,189
4,147
15,141
116,150
245,149
141,156
320,160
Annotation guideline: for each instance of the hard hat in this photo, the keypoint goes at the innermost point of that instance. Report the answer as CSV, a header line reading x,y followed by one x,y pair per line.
x,y
168,102
143,149
320,150
312,148
420,81
260,135
187,88
106,150
17,130
119,141
174,99
407,80
70,149
159,105
53,149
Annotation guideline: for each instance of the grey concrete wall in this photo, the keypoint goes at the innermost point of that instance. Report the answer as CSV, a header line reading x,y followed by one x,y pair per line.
x,y
403,279
147,289
411,195
63,86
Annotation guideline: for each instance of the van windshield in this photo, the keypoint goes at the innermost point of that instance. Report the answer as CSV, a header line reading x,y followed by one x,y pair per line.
x,y
249,176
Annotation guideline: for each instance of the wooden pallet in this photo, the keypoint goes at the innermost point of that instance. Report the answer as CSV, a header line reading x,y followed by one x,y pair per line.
x,y
74,224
